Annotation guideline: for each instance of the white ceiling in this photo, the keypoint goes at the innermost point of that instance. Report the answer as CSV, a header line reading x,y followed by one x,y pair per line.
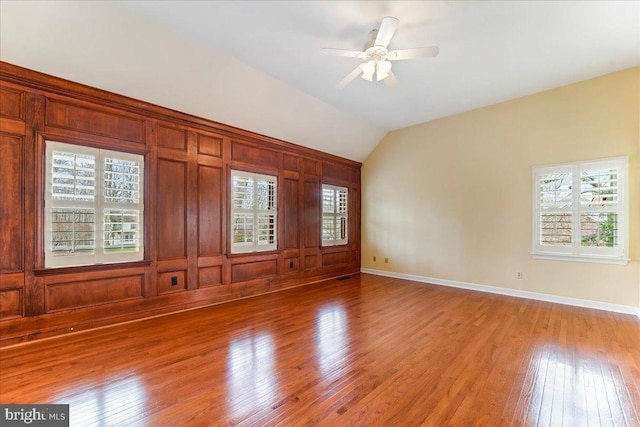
x,y
490,51
259,60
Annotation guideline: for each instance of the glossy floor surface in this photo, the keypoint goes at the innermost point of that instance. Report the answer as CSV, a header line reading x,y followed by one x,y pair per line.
x,y
363,351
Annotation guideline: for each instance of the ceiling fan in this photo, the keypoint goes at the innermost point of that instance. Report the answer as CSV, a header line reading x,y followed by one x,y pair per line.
x,y
377,56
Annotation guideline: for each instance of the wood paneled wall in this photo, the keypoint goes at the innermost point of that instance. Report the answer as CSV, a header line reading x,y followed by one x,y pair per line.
x,y
187,181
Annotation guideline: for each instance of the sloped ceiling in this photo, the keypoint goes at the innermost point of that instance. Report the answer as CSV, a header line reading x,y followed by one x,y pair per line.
x,y
256,65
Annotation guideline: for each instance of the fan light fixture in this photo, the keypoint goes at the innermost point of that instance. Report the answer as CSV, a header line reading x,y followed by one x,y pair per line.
x,y
368,70
377,57
384,68
372,66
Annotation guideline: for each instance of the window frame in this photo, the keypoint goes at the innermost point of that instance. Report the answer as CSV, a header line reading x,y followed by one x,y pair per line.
x,y
255,246
618,254
334,215
98,205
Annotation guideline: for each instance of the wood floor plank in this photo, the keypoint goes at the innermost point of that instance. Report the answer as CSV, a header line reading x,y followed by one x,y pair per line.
x,y
368,350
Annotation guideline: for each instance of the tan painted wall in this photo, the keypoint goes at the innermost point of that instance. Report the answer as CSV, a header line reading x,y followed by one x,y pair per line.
x,y
451,198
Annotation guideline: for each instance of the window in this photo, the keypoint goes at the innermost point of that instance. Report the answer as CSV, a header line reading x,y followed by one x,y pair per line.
x,y
253,212
581,211
93,206
335,208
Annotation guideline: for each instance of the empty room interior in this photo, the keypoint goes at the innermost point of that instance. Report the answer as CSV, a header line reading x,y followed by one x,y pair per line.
x,y
340,213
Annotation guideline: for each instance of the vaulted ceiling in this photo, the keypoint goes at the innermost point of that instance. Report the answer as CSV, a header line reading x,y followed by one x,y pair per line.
x,y
256,64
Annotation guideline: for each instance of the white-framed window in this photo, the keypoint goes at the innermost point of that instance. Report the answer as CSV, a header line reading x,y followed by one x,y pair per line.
x,y
335,215
581,211
94,206
253,212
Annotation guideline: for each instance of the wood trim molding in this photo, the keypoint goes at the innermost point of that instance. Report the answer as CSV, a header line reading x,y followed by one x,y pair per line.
x,y
44,82
577,302
89,268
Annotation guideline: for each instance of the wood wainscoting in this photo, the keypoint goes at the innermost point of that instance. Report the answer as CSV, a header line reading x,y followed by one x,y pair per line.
x,y
368,350
188,161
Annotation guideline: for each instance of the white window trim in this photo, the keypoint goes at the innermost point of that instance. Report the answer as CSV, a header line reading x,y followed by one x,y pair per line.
x,y
577,252
334,215
243,248
53,260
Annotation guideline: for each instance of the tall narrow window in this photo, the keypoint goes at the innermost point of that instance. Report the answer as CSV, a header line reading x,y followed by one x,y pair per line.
x,y
253,212
335,209
581,211
93,206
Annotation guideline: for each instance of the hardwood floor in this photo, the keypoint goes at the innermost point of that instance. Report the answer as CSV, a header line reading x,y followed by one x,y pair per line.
x,y
363,351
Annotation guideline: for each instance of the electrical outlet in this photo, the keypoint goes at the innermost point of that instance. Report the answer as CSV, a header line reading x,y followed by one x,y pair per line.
x,y
386,260
519,275
174,280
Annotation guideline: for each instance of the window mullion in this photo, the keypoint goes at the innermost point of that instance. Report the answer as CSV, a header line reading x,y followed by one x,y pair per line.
x,y
254,212
575,209
99,207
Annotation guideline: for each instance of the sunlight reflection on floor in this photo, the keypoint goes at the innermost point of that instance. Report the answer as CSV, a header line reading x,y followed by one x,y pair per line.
x,y
119,402
563,387
332,338
251,374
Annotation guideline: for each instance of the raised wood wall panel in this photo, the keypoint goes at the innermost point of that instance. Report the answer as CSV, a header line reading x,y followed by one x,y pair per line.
x,y
334,173
187,164
210,145
290,163
171,209
209,276
310,167
168,137
291,265
253,270
253,155
10,303
310,261
335,258
311,214
209,211
84,293
94,121
11,295
11,103
164,282
11,208
290,214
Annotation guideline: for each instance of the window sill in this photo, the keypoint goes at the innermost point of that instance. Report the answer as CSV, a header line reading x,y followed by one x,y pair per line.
x,y
271,254
89,268
582,258
333,245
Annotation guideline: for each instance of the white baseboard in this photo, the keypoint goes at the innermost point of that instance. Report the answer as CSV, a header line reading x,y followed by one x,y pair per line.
x,y
617,308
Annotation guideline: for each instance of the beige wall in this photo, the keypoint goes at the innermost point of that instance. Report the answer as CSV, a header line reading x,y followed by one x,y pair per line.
x,y
451,198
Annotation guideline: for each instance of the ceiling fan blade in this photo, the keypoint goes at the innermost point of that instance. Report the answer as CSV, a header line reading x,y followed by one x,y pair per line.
x,y
391,80
343,52
352,75
418,52
386,31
